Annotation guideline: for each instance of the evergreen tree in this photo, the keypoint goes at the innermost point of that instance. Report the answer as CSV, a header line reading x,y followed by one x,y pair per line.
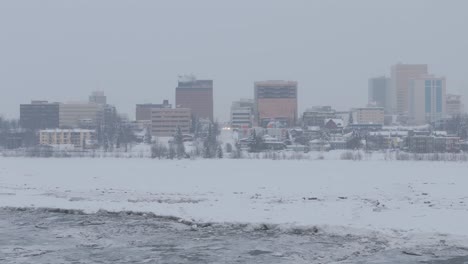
x,y
148,137
257,144
211,144
220,152
351,119
179,143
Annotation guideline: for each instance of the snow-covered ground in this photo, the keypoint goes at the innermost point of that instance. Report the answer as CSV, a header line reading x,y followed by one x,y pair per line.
x,y
400,199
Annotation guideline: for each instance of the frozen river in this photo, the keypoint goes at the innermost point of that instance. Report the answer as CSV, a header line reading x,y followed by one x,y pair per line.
x,y
61,236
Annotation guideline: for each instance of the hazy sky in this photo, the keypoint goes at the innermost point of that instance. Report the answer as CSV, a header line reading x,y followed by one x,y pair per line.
x,y
134,50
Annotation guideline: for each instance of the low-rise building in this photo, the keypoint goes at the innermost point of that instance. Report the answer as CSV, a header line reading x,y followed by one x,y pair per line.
x,y
369,115
143,111
334,124
433,144
317,115
454,105
78,138
166,121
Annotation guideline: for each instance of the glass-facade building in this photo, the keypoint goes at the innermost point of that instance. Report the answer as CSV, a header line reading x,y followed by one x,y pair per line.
x,y
379,92
426,99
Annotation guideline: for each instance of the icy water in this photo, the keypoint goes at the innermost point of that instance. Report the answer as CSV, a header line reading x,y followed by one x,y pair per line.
x,y
62,236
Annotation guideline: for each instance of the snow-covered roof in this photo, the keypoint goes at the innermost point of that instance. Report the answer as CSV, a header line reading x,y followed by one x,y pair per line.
x,y
440,133
313,128
406,128
389,133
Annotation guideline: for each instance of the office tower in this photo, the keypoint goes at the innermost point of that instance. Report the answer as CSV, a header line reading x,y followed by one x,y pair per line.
x,y
401,74
197,95
379,92
426,99
39,115
276,101
80,115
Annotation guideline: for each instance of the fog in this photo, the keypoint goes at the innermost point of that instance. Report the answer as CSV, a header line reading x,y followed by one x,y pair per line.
x,y
134,50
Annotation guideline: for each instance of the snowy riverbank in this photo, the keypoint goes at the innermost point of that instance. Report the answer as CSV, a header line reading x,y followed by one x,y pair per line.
x,y
397,198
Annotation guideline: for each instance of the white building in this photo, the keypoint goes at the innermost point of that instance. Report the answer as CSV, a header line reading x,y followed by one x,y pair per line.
x,y
242,114
454,105
78,138
426,99
368,115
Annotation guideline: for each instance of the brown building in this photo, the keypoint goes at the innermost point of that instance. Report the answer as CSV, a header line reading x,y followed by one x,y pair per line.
x,y
401,75
143,111
276,101
197,95
166,121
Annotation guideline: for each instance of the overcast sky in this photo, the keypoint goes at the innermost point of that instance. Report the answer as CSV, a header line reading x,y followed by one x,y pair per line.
x,y
134,50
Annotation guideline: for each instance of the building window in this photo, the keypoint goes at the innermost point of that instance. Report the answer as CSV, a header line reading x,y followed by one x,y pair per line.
x,y
439,99
428,98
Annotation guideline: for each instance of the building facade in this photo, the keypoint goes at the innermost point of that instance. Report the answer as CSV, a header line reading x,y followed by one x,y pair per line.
x,y
98,97
426,99
454,105
379,93
197,95
143,111
39,115
242,114
317,116
433,144
276,101
78,138
79,115
166,121
401,74
369,115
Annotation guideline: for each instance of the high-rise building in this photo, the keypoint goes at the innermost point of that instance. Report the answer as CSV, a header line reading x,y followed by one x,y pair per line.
x,y
426,99
98,97
380,92
454,105
242,114
401,74
80,115
197,95
39,115
143,111
276,101
166,121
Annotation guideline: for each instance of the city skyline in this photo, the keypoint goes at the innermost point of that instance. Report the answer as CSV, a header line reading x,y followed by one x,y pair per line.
x,y
138,60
